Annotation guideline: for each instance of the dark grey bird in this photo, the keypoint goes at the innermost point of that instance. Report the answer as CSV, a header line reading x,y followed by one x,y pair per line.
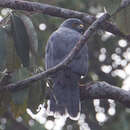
x,y
66,95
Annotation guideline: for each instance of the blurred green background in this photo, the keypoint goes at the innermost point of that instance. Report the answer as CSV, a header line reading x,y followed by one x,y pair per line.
x,y
23,37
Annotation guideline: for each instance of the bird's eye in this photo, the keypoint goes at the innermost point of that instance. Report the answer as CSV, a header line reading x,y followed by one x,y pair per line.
x,y
81,25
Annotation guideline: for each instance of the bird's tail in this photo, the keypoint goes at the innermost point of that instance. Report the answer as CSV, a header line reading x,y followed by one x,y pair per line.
x,y
66,96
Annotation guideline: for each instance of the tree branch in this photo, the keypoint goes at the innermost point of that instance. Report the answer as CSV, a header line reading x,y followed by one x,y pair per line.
x,y
103,90
88,33
59,12
92,91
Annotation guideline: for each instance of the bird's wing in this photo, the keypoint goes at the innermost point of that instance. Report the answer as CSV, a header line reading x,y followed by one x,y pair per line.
x,y
58,47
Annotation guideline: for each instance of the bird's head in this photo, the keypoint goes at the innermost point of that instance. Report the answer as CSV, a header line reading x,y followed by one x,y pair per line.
x,y
75,24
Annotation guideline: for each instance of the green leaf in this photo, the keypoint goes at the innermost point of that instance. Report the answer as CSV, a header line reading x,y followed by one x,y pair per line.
x,y
3,42
31,34
33,40
18,109
20,96
35,93
21,39
13,61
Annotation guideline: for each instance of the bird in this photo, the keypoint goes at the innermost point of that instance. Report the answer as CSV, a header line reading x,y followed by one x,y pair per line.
x,y
65,96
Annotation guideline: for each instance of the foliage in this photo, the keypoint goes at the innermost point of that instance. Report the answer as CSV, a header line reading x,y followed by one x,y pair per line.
x,y
22,48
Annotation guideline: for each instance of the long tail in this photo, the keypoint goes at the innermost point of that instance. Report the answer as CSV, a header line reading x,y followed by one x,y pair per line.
x,y
66,95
